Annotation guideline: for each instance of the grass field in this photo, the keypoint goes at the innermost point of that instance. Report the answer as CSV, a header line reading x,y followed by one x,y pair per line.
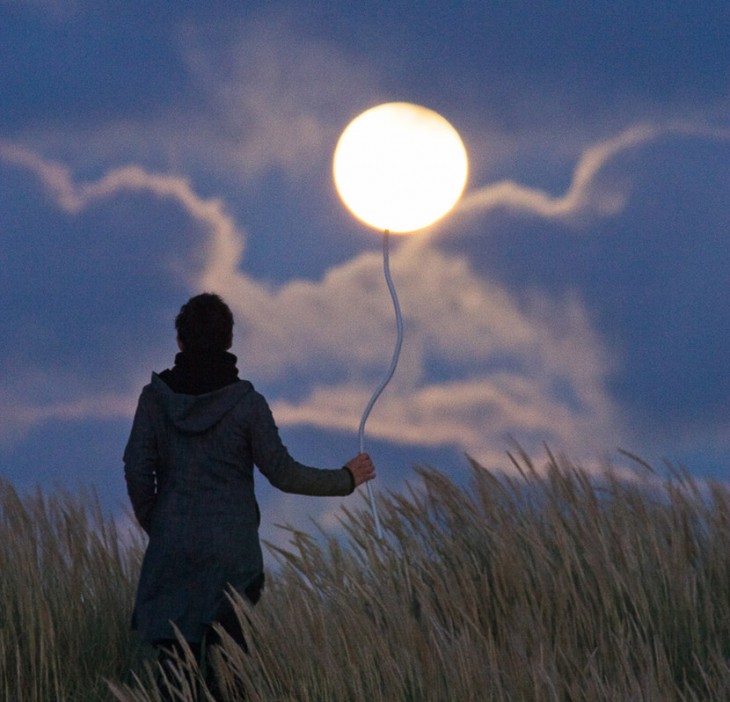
x,y
552,584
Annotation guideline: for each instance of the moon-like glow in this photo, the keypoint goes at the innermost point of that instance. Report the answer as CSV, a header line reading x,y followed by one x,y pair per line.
x,y
400,167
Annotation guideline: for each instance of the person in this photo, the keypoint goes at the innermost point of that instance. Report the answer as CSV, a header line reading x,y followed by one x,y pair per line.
x,y
197,434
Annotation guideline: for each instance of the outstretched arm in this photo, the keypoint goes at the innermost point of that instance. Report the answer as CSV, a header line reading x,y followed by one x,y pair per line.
x,y
284,473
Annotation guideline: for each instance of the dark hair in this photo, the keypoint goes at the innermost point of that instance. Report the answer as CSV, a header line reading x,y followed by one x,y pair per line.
x,y
205,323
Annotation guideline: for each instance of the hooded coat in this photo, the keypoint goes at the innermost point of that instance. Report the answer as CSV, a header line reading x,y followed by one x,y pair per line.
x,y
189,465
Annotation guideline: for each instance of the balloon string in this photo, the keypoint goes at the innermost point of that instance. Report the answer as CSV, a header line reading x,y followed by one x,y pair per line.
x,y
388,375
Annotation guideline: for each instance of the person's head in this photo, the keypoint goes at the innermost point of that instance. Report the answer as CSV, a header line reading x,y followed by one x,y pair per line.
x,y
204,324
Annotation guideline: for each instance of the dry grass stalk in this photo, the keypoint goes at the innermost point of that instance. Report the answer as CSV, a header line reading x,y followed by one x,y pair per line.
x,y
548,584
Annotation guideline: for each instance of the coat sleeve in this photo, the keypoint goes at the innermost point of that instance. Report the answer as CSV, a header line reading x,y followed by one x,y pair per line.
x,y
141,464
281,470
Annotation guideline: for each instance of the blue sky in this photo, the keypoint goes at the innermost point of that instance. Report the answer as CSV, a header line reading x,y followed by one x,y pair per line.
x,y
576,297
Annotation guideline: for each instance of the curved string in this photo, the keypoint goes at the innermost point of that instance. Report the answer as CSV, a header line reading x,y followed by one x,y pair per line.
x,y
388,375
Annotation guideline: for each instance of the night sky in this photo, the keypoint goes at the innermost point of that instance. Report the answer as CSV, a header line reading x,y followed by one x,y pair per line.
x,y
577,297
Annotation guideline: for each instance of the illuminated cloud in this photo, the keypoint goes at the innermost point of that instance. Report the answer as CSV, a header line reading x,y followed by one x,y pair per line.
x,y
477,364
587,197
538,373
341,327
224,242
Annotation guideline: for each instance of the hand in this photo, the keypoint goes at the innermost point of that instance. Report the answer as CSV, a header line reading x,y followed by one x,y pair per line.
x,y
362,468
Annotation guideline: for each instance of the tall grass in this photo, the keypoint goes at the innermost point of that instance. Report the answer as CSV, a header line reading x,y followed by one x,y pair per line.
x,y
555,585
66,584
551,585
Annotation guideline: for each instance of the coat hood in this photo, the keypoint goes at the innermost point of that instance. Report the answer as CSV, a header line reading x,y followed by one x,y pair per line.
x,y
194,414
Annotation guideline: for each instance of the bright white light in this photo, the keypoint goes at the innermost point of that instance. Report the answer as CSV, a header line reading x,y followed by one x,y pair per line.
x,y
400,167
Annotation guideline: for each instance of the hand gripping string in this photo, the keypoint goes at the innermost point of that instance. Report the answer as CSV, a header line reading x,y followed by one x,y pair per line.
x,y
388,375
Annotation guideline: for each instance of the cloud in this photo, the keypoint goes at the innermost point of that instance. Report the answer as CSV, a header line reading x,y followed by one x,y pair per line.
x,y
588,195
477,365
300,310
73,197
275,94
43,386
250,99
648,274
474,369
19,418
582,198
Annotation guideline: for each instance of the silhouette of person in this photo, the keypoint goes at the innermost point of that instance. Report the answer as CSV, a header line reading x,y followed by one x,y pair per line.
x,y
189,463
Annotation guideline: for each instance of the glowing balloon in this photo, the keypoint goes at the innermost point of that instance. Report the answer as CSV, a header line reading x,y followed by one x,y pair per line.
x,y
400,167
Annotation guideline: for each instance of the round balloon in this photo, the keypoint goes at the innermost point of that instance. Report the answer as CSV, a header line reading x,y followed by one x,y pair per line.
x,y
400,167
